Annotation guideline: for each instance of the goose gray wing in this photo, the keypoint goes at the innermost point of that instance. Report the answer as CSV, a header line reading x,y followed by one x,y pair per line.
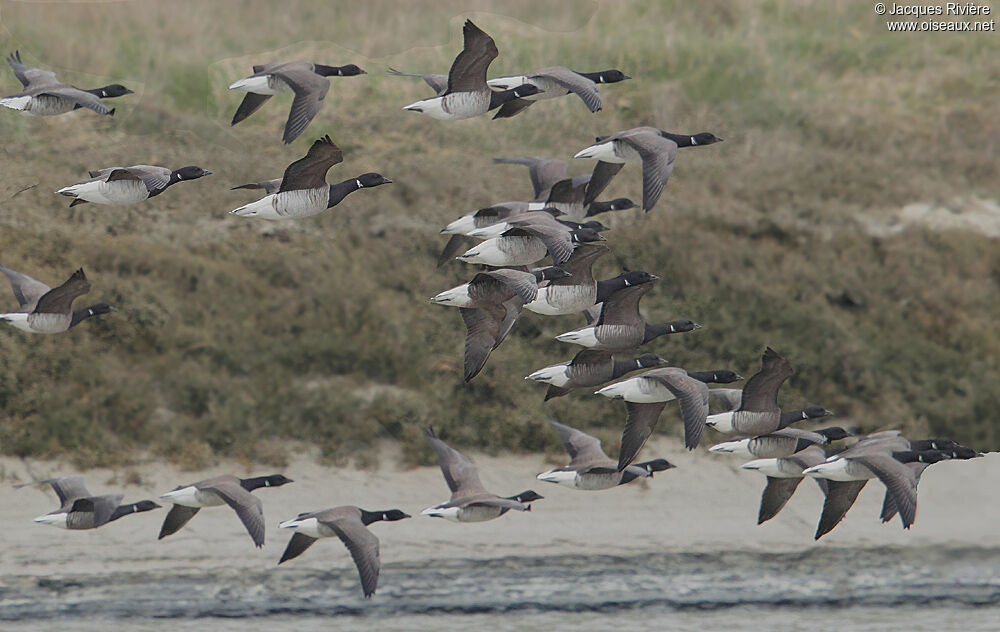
x,y
580,264
888,504
101,506
153,177
731,398
544,172
269,186
28,76
310,89
296,546
177,517
512,108
67,488
775,496
557,240
839,498
592,364
568,191
692,395
456,244
622,307
592,313
483,333
640,421
438,83
247,506
803,438
600,178
761,391
658,154
459,472
577,84
364,549
251,102
468,71
900,482
495,285
60,300
810,456
583,448
26,290
309,172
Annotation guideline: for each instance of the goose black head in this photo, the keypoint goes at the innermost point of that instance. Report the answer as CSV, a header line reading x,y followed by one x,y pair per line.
x,y
647,360
113,90
145,505
815,412
394,514
350,70
657,465
94,310
192,172
681,326
834,433
613,76
276,480
528,497
526,90
550,273
622,204
963,452
367,180
638,277
587,235
594,225
725,376
705,138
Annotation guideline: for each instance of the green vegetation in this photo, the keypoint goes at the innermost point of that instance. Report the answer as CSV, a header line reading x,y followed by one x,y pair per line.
x,y
234,335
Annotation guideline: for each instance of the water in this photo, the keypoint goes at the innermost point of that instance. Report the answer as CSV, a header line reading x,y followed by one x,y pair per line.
x,y
862,589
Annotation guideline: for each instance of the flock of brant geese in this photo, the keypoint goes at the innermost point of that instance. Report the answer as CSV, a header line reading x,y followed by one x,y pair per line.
x,y
513,236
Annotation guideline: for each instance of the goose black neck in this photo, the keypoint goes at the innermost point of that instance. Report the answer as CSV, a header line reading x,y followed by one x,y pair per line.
x,y
623,366
328,71
124,510
708,377
680,139
368,517
788,417
607,287
256,482
657,330
596,208
499,97
81,315
596,77
341,190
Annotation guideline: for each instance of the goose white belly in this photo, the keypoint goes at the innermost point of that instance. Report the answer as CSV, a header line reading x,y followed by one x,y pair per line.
x,y
454,106
559,300
554,375
117,192
506,251
262,84
18,320
586,337
308,526
723,422
191,496
287,205
739,448
638,390
841,469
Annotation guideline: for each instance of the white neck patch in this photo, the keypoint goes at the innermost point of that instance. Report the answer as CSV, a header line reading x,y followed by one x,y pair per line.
x,y
693,141
360,186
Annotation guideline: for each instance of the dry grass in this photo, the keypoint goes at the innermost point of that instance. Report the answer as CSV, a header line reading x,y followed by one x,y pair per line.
x,y
233,334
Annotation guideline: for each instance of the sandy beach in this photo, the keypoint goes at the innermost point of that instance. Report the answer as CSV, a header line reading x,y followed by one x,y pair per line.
x,y
706,504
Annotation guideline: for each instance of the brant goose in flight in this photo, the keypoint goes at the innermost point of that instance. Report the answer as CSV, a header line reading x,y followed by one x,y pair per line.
x,y
889,459
783,477
528,241
48,311
655,148
348,523
45,95
646,389
470,502
128,185
79,510
307,80
303,190
576,292
590,468
691,392
543,172
556,81
590,367
221,490
467,94
620,326
490,305
546,173
759,413
784,442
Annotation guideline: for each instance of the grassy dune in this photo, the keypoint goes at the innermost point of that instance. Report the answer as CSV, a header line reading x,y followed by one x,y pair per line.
x,y
234,336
